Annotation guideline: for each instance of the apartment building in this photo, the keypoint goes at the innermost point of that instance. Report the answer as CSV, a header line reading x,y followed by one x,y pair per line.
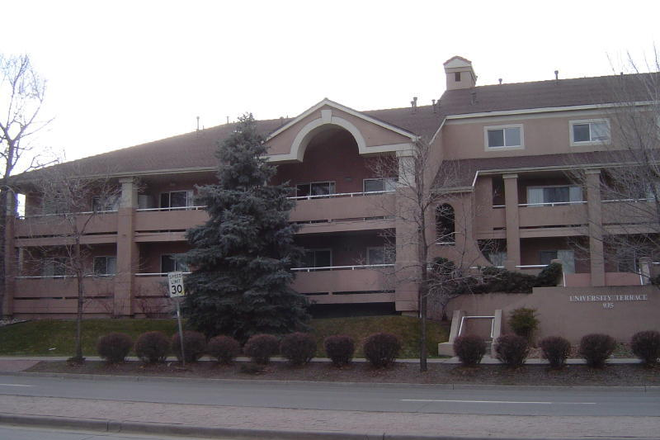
x,y
505,157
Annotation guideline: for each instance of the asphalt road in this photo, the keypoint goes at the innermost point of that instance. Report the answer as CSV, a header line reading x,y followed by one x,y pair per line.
x,y
363,397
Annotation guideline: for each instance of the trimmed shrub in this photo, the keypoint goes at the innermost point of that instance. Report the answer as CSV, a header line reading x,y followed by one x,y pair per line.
x,y
646,346
299,348
114,347
194,345
549,276
152,347
223,348
339,348
512,350
523,322
381,349
470,349
596,348
260,348
556,350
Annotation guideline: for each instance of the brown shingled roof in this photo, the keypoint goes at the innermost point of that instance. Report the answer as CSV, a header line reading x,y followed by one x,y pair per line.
x,y
196,150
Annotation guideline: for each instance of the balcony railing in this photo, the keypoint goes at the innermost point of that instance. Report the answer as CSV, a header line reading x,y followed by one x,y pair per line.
x,y
352,194
174,208
326,268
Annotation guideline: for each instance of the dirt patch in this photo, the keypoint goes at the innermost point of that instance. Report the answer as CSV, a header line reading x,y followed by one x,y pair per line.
x,y
573,375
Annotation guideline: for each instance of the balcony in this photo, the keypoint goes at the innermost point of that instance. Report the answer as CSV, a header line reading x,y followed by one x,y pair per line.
x,y
345,211
346,284
103,226
150,223
58,295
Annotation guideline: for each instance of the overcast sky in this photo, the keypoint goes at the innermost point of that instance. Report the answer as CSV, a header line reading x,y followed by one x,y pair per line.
x,y
121,73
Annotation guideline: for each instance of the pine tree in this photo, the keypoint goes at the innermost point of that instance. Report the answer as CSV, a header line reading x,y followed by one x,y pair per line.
x,y
243,254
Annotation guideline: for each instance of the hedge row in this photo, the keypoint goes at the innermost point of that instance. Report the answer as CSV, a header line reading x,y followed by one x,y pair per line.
x,y
512,350
380,349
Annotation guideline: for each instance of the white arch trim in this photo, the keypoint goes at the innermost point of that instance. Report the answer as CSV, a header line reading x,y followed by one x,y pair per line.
x,y
306,133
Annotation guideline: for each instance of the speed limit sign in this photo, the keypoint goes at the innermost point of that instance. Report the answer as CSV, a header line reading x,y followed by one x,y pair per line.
x,y
176,284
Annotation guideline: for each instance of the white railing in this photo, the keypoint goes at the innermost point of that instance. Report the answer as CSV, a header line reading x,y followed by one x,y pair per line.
x,y
61,277
326,268
156,274
626,200
353,194
531,266
528,205
531,205
174,208
61,214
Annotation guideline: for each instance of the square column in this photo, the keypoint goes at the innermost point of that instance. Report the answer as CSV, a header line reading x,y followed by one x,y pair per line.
x,y
127,249
595,213
512,221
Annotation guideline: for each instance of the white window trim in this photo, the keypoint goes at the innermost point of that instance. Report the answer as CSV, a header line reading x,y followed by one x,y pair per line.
x,y
589,121
502,127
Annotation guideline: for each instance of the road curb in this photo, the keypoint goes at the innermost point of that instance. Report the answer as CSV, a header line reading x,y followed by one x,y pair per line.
x,y
440,386
112,426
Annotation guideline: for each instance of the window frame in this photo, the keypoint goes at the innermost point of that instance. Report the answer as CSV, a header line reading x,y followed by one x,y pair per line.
x,y
189,199
504,147
178,266
332,187
389,184
56,264
106,258
568,202
315,250
571,132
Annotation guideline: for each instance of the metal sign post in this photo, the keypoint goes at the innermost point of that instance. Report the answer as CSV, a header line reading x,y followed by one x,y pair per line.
x,y
177,292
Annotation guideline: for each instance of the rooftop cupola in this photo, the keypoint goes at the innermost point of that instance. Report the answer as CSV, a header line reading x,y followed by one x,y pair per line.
x,y
460,74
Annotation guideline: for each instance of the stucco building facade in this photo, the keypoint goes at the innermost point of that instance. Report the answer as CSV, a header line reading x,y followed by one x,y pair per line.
x,y
506,157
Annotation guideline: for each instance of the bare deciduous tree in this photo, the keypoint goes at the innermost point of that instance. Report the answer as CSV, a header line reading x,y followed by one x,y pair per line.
x,y
70,203
21,98
428,201
628,224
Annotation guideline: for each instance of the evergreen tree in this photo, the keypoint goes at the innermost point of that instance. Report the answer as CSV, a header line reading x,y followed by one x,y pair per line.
x,y
243,254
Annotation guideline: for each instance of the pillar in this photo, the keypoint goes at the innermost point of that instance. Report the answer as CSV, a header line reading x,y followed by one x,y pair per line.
x,y
512,221
127,249
595,214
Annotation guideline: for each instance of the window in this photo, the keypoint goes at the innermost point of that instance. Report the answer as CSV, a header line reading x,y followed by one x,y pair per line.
x,y
445,226
105,265
176,199
457,76
556,194
315,189
497,258
318,258
379,185
504,137
379,255
172,263
108,203
54,267
590,132
567,258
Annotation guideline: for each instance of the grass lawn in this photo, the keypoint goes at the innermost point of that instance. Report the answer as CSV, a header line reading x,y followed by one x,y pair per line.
x,y
56,337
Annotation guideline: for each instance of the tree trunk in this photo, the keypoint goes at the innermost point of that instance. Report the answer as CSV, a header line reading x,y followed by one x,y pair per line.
x,y
3,229
78,358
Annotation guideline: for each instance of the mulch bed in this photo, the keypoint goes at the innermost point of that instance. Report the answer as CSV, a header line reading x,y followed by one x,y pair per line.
x,y
533,375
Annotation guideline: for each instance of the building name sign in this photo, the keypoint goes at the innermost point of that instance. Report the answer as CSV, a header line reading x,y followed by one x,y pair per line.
x,y
607,300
